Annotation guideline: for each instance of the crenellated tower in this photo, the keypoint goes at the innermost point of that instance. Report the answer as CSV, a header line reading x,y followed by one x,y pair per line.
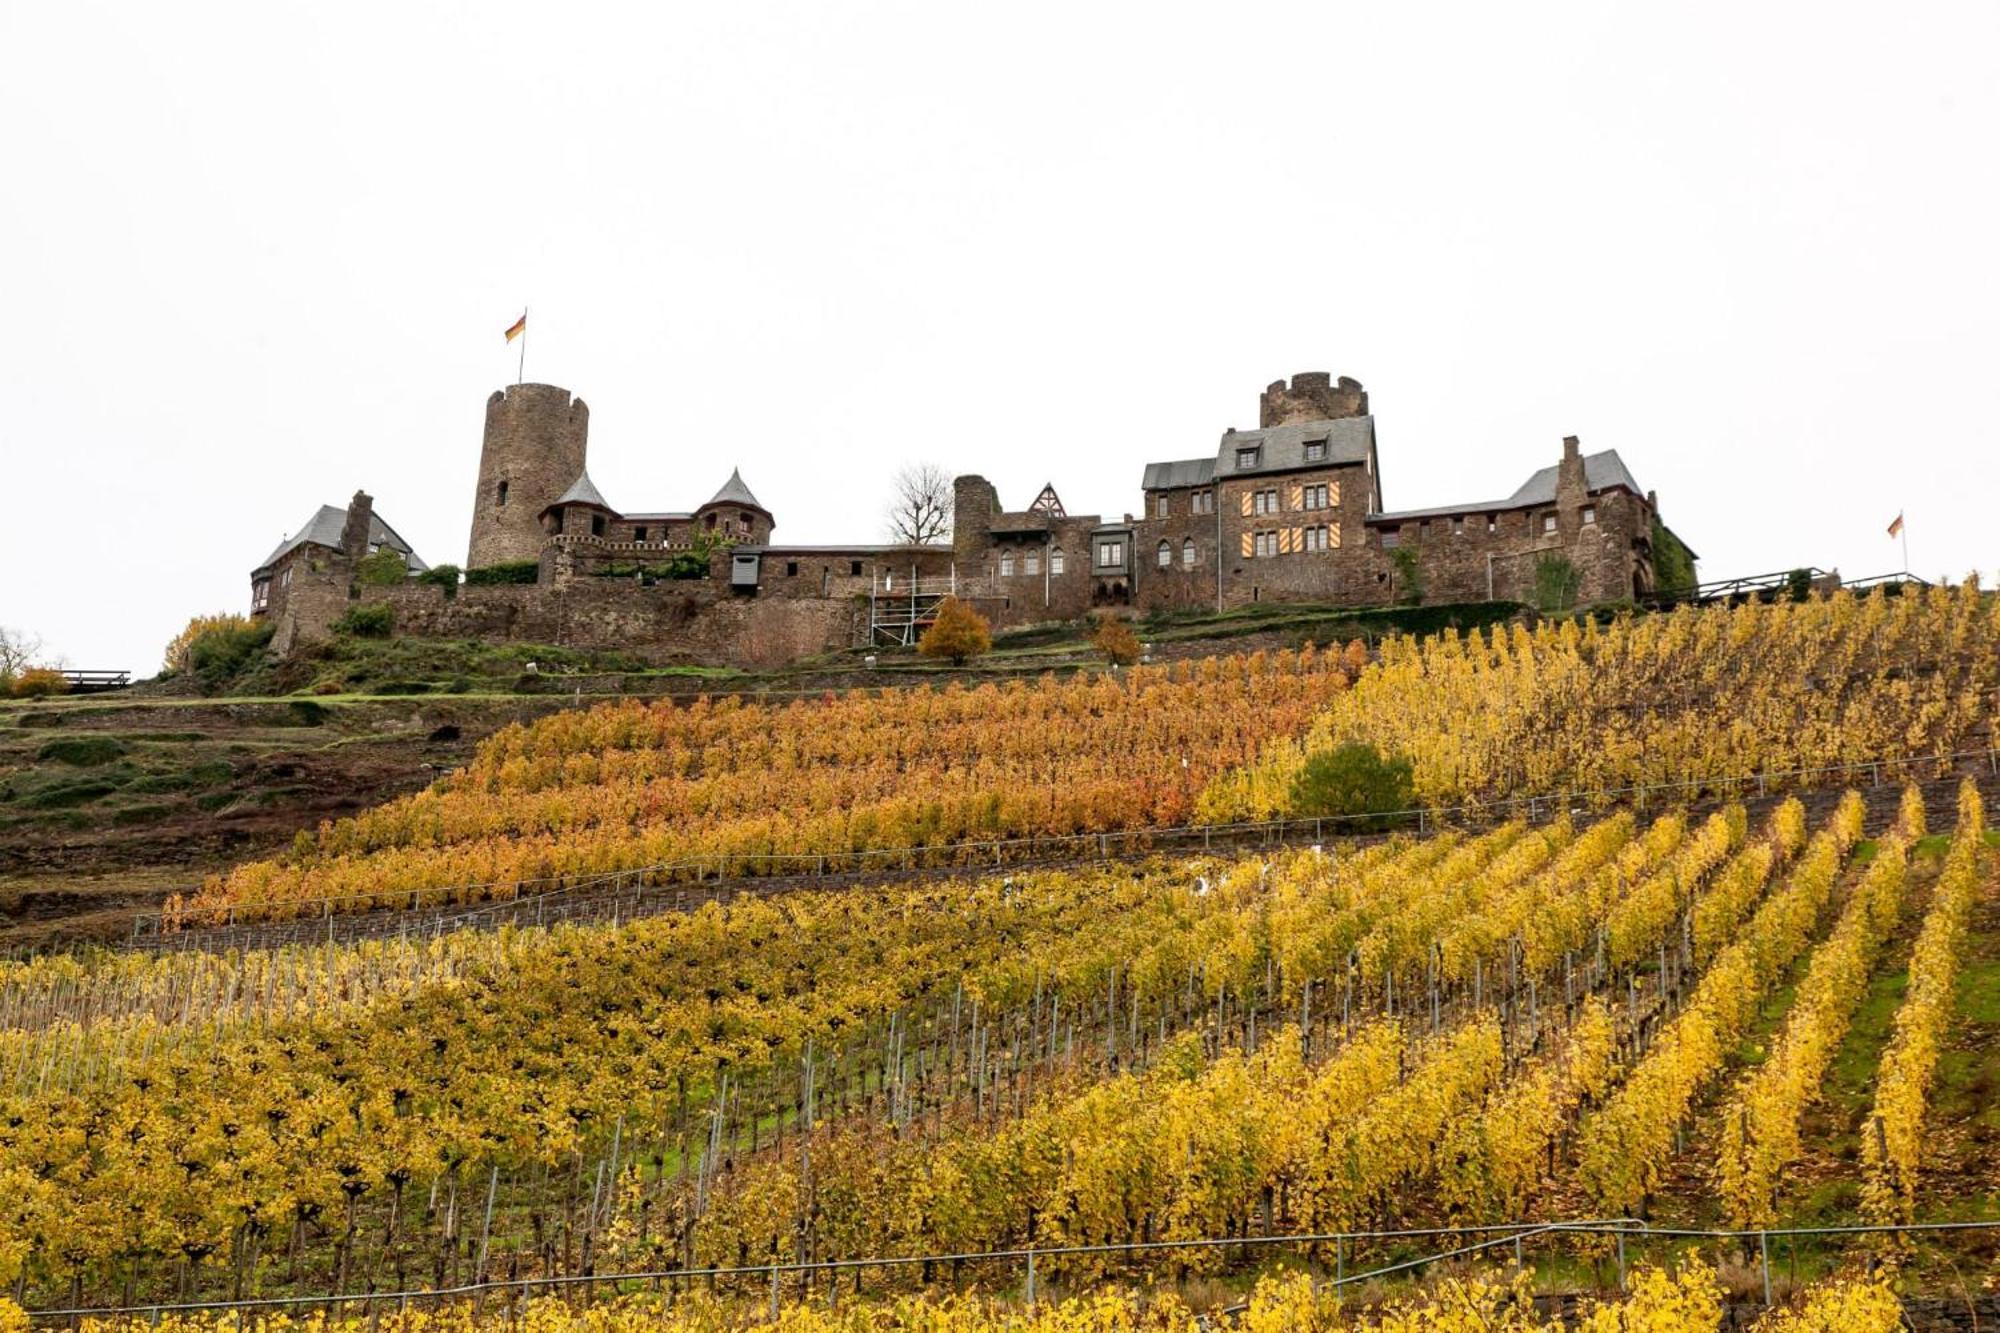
x,y
535,447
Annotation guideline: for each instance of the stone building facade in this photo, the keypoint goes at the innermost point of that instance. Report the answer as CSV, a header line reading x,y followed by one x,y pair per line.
x,y
1291,511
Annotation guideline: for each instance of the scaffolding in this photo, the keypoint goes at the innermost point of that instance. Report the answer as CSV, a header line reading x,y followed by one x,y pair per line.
x,y
902,606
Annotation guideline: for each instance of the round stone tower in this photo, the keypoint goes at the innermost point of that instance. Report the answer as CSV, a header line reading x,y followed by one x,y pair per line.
x,y
534,448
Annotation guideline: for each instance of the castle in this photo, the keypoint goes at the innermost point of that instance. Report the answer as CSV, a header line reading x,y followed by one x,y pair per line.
x,y
1290,511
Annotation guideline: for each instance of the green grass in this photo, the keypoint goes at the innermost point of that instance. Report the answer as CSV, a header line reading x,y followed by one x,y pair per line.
x,y
80,751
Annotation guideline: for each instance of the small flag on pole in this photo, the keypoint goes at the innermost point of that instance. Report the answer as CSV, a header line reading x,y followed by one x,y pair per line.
x,y
1896,528
520,326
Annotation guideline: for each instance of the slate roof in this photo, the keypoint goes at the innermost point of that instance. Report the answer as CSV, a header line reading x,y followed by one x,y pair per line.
x,y
735,492
1281,449
583,491
324,529
1601,472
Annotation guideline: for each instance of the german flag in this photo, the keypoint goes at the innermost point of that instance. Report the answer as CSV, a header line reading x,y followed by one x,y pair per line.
x,y
1897,526
518,327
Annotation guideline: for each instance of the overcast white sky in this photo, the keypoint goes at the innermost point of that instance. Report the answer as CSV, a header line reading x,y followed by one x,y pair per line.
x,y
252,258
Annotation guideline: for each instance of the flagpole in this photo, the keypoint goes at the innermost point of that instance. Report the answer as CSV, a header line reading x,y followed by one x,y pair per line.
x,y
521,370
1904,533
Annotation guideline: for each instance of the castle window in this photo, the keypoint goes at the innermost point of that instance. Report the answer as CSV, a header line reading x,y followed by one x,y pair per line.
x,y
1006,564
1032,561
1161,508
1187,553
1391,539
502,500
1492,524
1111,555
1315,497
260,593
854,569
1315,451
285,577
639,533
1266,544
1548,524
1247,458
1315,539
1590,513
1166,555
1056,561
1204,502
1267,502
597,525
1458,527
791,569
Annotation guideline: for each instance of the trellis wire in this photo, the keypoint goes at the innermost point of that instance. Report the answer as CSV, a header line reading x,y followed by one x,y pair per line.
x,y
1496,1234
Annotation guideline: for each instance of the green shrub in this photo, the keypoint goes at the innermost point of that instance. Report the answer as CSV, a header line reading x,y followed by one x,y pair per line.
x,y
512,571
80,751
1798,585
69,794
1409,575
367,620
1556,583
402,687
221,652
442,576
303,713
1673,564
1355,783
384,568
459,685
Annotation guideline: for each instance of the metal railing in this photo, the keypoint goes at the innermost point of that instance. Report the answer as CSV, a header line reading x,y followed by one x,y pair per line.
x,y
1033,1260
695,880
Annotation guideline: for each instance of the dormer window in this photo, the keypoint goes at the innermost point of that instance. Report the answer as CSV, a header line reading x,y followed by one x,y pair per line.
x,y
1246,458
1315,451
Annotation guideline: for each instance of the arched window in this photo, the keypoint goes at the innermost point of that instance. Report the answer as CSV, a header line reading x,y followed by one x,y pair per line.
x,y
1006,564
1031,560
1166,555
1187,553
1056,561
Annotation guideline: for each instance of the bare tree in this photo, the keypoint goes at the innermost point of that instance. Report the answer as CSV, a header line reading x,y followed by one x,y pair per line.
x,y
19,650
920,506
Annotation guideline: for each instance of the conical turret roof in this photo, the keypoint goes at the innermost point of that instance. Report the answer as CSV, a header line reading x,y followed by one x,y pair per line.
x,y
735,492
583,491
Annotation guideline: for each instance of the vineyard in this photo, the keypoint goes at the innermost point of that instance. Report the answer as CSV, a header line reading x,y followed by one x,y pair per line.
x,y
1696,696
1436,1031
720,788
1222,1090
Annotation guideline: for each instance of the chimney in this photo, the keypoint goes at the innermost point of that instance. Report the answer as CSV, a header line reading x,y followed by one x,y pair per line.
x,y
354,533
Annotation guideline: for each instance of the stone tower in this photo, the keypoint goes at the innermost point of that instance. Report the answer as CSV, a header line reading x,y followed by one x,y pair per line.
x,y
1313,395
534,448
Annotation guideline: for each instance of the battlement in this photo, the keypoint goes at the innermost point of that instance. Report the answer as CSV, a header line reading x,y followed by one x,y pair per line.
x,y
1312,395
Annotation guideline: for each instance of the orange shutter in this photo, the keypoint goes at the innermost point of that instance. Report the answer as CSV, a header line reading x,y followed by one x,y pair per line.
x,y
1245,497
1298,496
1248,545
1333,536
1333,496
